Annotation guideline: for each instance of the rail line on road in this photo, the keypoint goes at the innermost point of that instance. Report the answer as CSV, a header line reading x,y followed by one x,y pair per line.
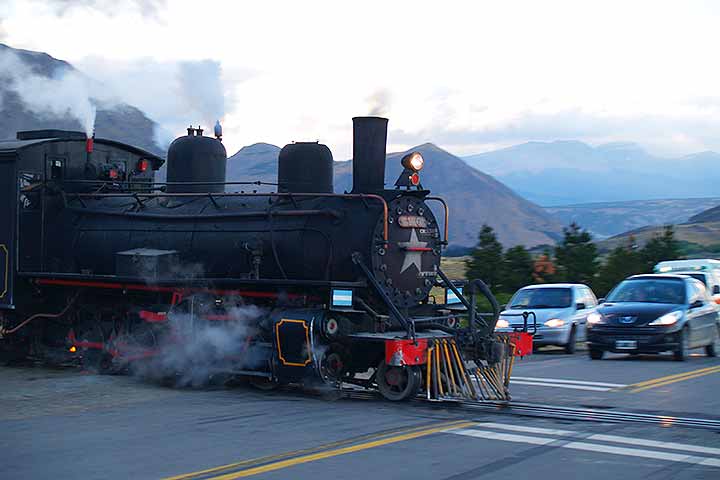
x,y
556,411
595,415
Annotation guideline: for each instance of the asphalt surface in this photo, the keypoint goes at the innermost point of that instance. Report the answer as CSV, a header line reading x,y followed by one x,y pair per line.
x,y
67,424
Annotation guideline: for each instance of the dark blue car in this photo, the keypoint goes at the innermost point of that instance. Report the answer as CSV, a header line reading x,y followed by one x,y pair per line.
x,y
654,314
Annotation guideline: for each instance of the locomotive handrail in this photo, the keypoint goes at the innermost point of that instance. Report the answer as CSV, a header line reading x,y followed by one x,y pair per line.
x,y
447,216
152,184
473,314
407,324
361,196
284,213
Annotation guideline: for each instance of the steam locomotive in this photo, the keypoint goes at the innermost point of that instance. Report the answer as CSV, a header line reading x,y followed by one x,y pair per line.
x,y
102,265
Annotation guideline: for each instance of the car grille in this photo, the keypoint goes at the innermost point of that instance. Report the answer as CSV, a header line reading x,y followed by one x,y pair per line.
x,y
630,330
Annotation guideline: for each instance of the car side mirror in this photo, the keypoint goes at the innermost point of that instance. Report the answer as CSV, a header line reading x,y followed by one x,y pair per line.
x,y
716,290
580,306
601,300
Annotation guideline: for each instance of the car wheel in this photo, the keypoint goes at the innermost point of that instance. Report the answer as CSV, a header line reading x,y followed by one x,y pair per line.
x,y
681,353
596,354
570,345
713,349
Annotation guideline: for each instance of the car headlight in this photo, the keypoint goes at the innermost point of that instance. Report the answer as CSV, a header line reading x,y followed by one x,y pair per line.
x,y
668,319
554,323
502,323
594,318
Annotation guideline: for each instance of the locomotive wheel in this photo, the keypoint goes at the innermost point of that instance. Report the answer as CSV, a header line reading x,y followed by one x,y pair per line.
x,y
398,383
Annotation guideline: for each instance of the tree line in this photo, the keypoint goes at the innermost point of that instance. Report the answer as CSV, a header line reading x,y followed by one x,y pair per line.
x,y
574,260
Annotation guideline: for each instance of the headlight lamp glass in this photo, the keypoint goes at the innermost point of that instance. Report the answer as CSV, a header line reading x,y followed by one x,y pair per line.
x,y
502,323
413,161
668,319
594,318
554,323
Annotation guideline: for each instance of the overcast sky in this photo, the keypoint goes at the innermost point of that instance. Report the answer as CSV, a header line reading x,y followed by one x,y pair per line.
x,y
469,76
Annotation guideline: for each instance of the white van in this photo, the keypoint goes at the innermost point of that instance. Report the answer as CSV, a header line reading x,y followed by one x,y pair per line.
x,y
705,270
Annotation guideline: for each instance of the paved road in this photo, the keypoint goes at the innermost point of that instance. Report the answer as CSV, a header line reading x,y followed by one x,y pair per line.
x,y
62,423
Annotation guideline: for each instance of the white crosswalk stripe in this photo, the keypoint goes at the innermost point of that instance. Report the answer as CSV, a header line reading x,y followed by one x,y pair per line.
x,y
566,383
598,443
576,382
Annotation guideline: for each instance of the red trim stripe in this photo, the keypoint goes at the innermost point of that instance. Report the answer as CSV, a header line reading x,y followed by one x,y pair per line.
x,y
152,317
156,288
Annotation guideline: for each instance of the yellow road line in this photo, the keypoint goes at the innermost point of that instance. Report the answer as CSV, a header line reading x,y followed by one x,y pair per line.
x,y
262,460
339,451
660,379
667,380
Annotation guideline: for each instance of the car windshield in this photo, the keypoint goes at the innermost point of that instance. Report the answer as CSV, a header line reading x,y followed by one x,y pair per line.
x,y
650,291
541,298
696,276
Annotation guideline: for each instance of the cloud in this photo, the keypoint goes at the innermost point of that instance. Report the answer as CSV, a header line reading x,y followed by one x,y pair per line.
x,y
172,94
147,8
682,133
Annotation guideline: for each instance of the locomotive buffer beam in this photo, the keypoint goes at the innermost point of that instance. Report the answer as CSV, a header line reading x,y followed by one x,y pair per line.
x,y
408,325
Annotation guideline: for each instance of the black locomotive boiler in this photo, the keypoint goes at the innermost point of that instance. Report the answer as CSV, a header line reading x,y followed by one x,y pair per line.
x,y
101,264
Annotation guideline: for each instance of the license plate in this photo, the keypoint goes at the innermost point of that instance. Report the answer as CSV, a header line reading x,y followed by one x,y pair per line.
x,y
626,344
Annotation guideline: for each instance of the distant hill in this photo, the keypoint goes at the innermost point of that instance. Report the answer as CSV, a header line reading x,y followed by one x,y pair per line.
x,y
257,162
709,215
124,123
572,172
612,218
693,237
474,198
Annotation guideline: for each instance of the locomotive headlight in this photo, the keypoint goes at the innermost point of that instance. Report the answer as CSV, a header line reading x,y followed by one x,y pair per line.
x,y
413,161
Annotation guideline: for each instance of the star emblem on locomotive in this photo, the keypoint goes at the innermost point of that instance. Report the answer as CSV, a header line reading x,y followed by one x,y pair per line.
x,y
413,256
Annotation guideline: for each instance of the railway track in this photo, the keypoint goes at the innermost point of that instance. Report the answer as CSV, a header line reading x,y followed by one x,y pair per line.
x,y
556,411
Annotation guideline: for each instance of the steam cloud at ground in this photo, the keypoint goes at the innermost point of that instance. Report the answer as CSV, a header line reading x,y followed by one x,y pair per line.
x,y
193,349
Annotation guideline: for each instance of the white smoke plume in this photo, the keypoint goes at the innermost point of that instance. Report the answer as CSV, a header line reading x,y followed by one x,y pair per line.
x,y
194,349
172,94
65,93
379,102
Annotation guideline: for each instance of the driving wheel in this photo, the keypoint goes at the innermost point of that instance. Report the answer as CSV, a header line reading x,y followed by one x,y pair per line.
x,y
398,383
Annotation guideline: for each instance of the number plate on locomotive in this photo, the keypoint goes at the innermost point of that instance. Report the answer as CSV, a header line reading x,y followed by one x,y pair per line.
x,y
412,221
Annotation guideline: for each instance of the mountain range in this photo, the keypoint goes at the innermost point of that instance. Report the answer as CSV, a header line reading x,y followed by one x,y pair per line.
x,y
571,172
605,219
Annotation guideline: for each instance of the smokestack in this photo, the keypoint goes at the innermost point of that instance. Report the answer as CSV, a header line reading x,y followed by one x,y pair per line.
x,y
369,143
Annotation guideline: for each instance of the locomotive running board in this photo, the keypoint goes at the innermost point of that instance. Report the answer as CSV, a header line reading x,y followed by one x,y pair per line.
x,y
408,325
